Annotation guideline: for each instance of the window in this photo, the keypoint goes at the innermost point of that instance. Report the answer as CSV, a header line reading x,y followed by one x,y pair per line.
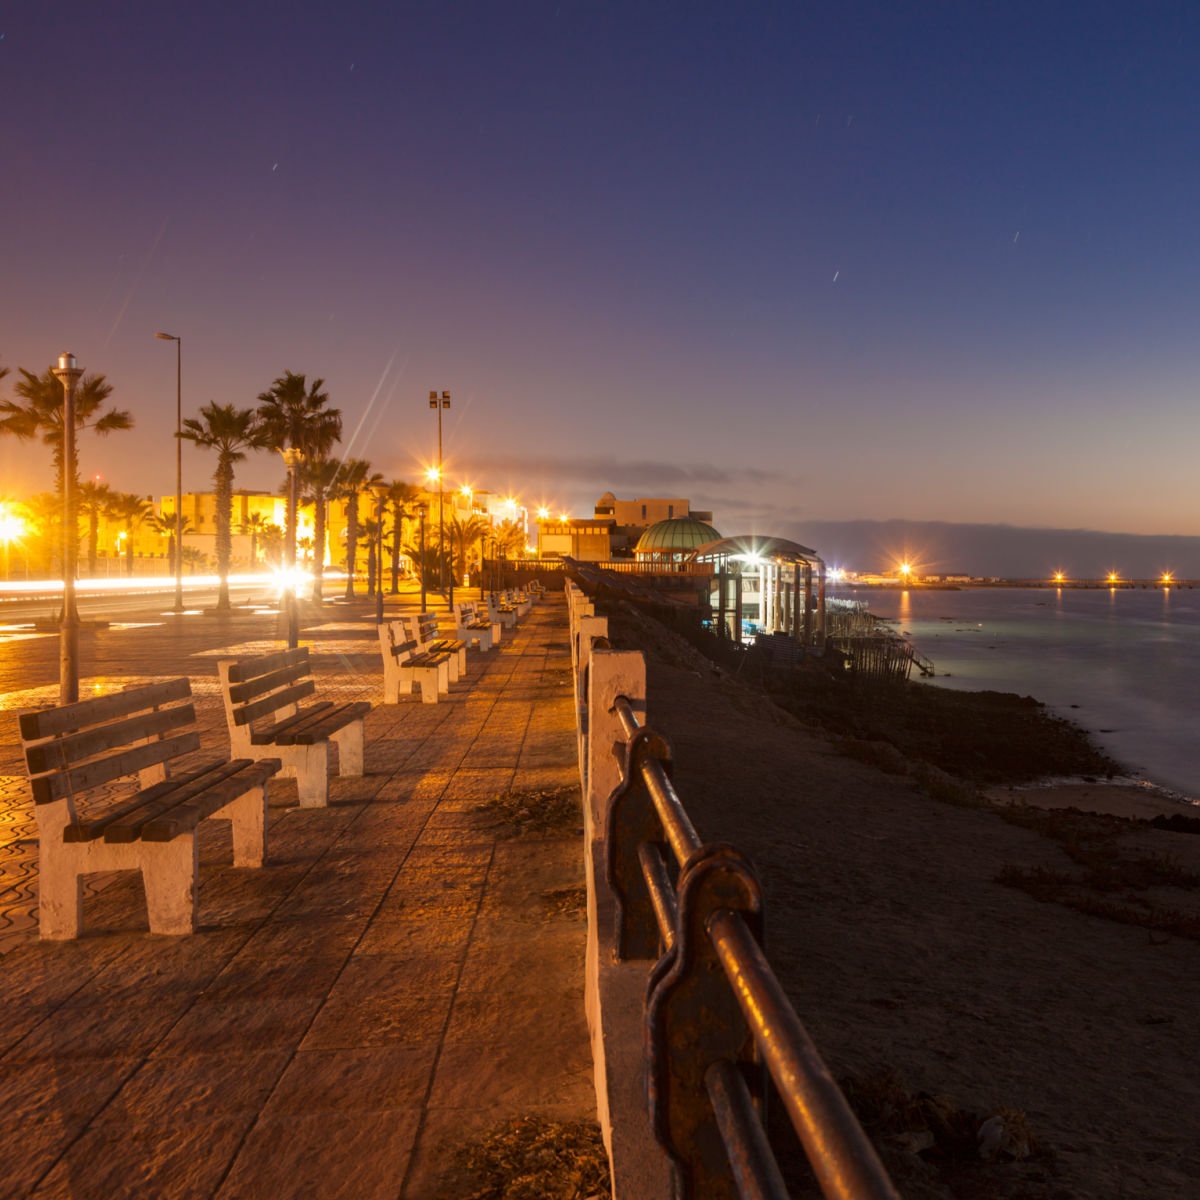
x,y
670,512
643,512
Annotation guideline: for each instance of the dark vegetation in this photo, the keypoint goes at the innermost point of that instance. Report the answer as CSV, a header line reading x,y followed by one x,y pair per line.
x,y
544,811
981,737
532,1158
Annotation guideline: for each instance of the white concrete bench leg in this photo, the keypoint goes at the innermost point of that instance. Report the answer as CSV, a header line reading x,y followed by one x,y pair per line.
x,y
452,671
350,748
169,871
248,817
309,765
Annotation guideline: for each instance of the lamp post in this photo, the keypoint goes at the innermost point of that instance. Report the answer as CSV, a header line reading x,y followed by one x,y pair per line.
x,y
170,337
440,401
380,498
68,373
421,510
292,457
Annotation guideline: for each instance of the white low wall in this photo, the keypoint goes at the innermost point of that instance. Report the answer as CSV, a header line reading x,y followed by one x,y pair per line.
x,y
615,992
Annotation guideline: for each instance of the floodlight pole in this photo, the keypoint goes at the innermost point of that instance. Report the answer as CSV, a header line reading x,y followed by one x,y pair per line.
x,y
380,497
68,373
170,337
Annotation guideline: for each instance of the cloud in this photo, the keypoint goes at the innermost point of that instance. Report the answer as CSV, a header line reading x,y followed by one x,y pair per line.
x,y
645,476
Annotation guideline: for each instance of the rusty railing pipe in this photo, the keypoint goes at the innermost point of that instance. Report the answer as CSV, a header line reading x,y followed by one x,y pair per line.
x,y
841,1155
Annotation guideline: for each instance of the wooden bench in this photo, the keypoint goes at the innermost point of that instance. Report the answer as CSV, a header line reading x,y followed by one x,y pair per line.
x,y
473,626
423,629
404,665
73,750
499,610
262,709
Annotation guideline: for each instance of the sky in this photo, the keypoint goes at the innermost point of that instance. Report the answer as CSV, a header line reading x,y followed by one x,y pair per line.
x,y
801,263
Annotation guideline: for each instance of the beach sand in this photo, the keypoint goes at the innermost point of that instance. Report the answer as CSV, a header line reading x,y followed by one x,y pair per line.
x,y
906,958
1113,799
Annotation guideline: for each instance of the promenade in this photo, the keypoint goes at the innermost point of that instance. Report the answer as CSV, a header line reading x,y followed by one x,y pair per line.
x,y
404,973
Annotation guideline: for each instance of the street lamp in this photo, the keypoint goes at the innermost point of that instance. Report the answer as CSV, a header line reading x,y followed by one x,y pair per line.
x,y
380,490
440,401
170,337
292,457
12,529
68,373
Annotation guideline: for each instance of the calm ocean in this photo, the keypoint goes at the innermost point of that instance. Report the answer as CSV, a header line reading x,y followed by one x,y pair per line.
x,y
1123,664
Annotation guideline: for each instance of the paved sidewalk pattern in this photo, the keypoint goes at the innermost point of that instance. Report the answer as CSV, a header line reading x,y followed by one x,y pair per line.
x,y
397,979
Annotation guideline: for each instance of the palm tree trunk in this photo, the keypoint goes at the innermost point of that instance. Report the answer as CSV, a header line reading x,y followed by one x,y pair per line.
x,y
319,507
397,539
371,567
129,548
224,484
93,539
351,543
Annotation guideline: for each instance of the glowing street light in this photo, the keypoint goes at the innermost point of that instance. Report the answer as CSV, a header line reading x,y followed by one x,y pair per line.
x,y
563,516
12,529
543,513
1167,577
905,570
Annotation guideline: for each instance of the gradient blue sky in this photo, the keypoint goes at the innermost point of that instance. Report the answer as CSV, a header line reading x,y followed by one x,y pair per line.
x,y
798,262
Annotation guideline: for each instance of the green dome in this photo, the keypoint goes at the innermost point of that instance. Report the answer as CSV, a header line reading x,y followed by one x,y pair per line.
x,y
680,535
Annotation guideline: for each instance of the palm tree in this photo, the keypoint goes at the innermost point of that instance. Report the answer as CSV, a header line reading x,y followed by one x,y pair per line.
x,y
462,536
510,539
164,524
95,499
399,495
41,414
255,525
131,509
356,477
318,482
230,432
294,416
44,511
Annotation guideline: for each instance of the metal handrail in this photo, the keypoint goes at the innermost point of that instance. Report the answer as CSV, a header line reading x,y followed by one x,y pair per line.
x,y
840,1153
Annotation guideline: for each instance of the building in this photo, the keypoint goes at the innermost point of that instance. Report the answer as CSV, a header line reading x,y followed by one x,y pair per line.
x,y
673,540
631,517
586,540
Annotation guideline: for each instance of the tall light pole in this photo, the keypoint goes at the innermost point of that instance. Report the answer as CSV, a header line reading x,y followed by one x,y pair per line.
x,y
170,337
68,373
380,501
440,401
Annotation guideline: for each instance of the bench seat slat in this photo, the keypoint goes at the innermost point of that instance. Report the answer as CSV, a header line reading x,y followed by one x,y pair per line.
x,y
186,814
72,748
269,704
325,724
69,717
103,770
88,829
203,794
266,736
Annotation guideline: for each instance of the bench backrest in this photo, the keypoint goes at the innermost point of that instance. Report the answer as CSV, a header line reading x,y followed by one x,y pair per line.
x,y
263,684
465,610
423,627
76,747
395,640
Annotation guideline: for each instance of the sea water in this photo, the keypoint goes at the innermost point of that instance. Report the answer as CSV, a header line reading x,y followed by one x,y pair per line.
x,y
1123,663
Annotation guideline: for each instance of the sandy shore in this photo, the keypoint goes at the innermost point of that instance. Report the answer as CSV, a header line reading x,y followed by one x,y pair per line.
x,y
912,958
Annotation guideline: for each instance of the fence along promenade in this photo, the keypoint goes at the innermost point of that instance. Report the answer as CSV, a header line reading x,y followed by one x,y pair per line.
x,y
684,931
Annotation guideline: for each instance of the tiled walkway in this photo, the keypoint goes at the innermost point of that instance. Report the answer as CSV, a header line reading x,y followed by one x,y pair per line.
x,y
401,976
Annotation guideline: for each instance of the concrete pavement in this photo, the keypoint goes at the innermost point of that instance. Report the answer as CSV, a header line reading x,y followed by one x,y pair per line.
x,y
403,974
